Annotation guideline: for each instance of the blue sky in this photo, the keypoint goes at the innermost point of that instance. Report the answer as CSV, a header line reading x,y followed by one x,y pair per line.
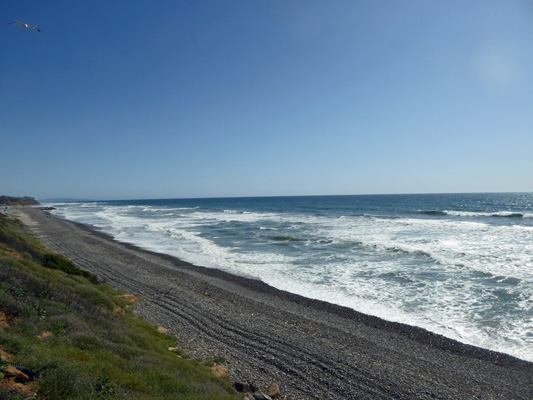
x,y
132,99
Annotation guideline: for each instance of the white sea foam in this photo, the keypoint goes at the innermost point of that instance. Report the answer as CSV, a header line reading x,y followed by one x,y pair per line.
x,y
448,275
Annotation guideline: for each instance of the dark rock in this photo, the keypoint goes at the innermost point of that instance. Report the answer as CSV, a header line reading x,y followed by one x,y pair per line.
x,y
261,396
241,387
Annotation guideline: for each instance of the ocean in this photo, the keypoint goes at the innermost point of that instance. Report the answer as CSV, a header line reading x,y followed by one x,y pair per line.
x,y
460,265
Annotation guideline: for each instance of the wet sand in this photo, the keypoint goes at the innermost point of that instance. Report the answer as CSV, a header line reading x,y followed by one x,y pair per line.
x,y
312,349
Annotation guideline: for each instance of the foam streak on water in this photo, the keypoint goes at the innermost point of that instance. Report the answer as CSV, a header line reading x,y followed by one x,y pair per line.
x,y
458,265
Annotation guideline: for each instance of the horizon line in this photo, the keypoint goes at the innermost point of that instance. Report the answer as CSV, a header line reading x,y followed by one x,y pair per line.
x,y
68,199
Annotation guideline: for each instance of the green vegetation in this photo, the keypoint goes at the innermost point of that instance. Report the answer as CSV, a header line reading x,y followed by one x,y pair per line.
x,y
3,366
78,336
56,261
18,201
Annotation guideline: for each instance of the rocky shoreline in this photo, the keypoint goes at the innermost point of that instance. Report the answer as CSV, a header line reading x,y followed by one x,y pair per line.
x,y
309,349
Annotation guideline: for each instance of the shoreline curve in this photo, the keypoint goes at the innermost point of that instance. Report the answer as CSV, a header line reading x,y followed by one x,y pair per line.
x,y
313,349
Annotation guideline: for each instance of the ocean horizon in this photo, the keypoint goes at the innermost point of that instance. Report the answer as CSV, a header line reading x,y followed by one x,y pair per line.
x,y
460,265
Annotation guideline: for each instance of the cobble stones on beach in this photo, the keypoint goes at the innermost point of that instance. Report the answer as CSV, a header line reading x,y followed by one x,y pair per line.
x,y
310,349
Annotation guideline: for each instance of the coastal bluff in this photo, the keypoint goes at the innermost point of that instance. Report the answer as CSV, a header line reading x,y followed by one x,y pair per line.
x,y
17,201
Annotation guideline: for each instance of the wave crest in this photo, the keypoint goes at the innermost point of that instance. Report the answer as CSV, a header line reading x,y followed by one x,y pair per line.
x,y
482,214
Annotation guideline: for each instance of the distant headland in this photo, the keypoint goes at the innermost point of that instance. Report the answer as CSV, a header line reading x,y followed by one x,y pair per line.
x,y
18,201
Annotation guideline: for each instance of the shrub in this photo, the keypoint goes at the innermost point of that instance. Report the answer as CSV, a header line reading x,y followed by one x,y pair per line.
x,y
104,389
95,296
60,382
11,344
59,326
3,366
56,261
85,342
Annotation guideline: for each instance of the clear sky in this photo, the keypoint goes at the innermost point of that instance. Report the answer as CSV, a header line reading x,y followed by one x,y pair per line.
x,y
129,99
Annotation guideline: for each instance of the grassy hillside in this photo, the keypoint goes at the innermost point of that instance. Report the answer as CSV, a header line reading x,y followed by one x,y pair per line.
x,y
75,338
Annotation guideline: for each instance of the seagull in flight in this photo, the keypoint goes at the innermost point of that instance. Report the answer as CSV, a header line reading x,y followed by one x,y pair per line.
x,y
25,25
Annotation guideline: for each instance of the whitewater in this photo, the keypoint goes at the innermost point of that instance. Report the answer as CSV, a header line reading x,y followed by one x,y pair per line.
x,y
460,265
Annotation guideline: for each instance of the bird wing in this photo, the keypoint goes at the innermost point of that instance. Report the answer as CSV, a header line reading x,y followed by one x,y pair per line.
x,y
34,27
20,23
